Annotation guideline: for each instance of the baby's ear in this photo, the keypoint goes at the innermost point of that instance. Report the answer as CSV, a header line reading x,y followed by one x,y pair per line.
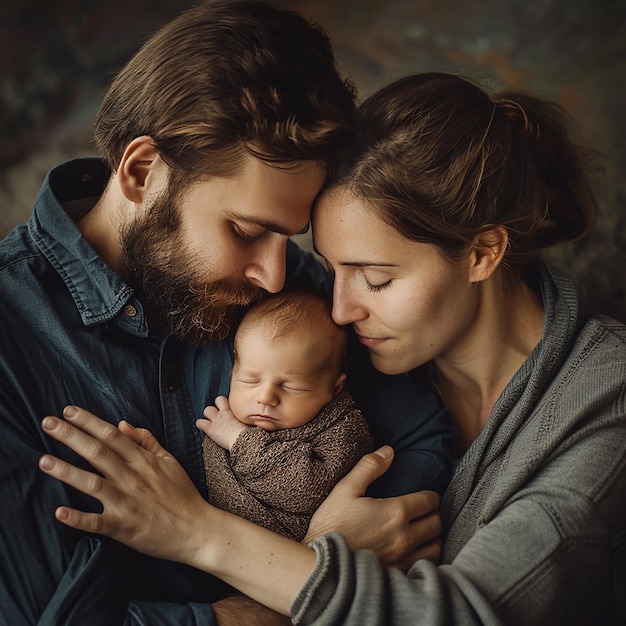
x,y
487,252
339,383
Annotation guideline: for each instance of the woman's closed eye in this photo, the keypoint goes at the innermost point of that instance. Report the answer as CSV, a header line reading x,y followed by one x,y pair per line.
x,y
376,281
377,287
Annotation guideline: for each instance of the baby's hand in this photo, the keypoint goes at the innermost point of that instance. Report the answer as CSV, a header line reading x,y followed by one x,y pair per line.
x,y
221,424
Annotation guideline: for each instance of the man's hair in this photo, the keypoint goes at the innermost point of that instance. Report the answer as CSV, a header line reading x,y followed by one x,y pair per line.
x,y
225,79
291,314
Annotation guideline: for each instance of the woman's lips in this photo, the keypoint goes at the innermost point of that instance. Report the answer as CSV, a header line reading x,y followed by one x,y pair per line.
x,y
370,342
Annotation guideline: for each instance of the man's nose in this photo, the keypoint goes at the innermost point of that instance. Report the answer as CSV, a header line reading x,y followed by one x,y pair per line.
x,y
268,269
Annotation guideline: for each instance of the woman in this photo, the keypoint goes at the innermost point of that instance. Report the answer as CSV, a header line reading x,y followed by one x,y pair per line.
x,y
431,231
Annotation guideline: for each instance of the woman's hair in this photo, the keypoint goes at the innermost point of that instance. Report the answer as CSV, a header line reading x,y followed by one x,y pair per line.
x,y
298,313
442,161
225,79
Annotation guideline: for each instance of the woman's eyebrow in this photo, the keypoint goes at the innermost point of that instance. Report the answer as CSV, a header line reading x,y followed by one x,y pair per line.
x,y
358,263
367,264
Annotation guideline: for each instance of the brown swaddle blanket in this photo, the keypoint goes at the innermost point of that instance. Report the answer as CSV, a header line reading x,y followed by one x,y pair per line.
x,y
278,479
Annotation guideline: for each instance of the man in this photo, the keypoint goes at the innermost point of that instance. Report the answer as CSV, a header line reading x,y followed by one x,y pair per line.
x,y
216,138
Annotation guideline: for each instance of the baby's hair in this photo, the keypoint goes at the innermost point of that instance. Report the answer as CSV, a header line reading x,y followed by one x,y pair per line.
x,y
297,313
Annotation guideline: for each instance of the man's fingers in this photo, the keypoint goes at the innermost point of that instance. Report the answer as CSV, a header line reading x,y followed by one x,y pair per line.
x,y
420,504
430,551
366,471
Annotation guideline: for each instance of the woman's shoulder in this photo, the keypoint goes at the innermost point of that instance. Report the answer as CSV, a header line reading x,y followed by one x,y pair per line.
x,y
603,335
595,366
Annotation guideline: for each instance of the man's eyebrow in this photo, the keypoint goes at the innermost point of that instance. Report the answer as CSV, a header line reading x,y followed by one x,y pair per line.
x,y
271,226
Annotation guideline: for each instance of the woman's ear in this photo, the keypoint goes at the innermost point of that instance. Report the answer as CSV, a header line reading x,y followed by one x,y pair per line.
x,y
139,170
487,252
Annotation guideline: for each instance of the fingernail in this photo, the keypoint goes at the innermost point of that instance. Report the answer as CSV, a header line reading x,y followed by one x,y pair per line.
x,y
46,462
70,411
49,423
385,452
62,514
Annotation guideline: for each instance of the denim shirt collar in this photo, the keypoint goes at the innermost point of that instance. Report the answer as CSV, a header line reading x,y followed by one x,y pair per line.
x,y
99,293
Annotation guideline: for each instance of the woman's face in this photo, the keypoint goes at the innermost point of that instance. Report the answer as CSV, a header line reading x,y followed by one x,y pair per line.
x,y
407,303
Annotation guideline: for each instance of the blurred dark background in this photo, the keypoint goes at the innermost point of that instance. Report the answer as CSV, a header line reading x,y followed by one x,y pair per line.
x,y
56,59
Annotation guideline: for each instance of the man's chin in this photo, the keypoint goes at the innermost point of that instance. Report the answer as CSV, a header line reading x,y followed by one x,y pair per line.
x,y
206,315
205,330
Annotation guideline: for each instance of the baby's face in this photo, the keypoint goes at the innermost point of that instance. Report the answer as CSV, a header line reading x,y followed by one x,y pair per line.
x,y
280,384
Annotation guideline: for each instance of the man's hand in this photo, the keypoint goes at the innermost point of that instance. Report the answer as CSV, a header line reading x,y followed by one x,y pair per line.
x,y
221,424
238,610
399,530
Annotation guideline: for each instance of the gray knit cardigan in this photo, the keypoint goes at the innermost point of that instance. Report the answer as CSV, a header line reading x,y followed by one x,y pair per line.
x,y
534,519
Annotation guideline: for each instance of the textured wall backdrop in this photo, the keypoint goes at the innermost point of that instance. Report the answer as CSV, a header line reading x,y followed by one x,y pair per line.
x,y
56,59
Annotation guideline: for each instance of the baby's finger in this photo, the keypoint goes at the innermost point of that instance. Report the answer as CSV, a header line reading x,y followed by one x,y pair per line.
x,y
221,402
210,412
204,425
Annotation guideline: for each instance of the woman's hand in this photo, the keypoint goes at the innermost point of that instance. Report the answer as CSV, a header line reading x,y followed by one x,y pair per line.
x,y
151,505
399,530
149,502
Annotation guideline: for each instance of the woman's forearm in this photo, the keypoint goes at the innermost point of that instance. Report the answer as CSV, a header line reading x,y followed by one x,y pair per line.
x,y
260,563
151,505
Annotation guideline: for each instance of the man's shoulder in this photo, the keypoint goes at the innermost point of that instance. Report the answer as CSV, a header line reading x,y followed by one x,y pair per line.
x,y
17,248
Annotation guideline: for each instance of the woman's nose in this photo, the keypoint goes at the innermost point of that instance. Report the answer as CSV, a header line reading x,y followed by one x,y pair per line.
x,y
346,308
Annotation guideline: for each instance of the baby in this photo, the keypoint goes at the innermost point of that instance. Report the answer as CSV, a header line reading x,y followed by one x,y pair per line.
x,y
288,431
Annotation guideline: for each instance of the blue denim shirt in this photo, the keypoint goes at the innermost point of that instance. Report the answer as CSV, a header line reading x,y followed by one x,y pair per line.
x,y
72,332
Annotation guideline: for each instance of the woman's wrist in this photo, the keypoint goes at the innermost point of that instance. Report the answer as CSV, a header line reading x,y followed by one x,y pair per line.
x,y
261,564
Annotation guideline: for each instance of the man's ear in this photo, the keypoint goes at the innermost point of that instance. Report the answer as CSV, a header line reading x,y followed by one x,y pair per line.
x,y
487,252
339,383
140,170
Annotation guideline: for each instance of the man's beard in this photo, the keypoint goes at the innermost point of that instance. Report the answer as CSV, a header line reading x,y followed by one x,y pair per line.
x,y
165,278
